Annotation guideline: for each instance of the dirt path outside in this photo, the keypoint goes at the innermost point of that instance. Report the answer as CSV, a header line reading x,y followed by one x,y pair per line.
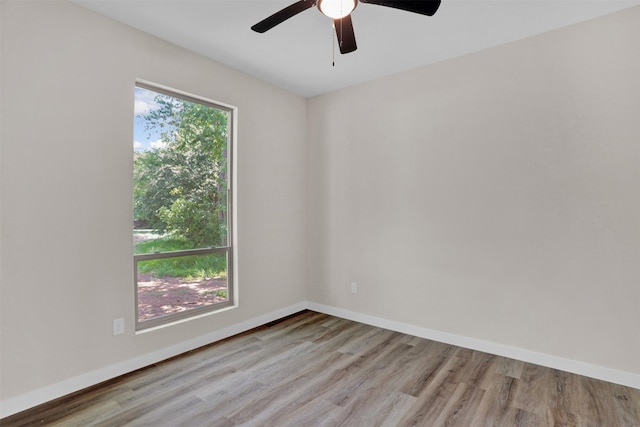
x,y
158,296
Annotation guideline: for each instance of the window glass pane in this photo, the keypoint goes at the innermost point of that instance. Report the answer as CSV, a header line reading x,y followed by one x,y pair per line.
x,y
177,284
181,185
180,174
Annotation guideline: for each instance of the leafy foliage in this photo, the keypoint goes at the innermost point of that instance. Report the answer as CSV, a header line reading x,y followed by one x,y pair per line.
x,y
180,186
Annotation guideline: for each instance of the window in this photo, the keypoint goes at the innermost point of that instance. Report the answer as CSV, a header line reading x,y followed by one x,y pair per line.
x,y
182,199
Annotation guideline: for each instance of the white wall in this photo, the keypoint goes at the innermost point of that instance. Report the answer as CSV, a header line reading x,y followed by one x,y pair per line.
x,y
495,196
67,130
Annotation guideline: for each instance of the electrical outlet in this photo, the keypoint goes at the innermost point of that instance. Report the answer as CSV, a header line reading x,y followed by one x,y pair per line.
x,y
118,326
354,288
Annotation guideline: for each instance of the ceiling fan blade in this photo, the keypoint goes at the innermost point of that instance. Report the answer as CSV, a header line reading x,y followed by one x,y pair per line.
x,y
346,35
424,7
283,15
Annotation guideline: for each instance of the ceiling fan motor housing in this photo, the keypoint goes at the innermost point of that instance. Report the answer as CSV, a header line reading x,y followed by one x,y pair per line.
x,y
337,9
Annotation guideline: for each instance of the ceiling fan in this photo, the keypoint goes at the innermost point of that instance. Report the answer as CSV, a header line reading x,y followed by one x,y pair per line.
x,y
340,12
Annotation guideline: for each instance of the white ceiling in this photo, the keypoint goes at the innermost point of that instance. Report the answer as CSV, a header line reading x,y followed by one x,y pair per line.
x,y
297,54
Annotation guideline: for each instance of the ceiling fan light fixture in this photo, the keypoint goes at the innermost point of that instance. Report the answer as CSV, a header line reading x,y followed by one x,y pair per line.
x,y
337,9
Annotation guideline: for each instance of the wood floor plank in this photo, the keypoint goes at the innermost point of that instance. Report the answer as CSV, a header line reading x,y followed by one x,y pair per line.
x,y
321,413
363,369
532,393
362,344
509,367
433,397
312,369
496,403
379,401
312,390
373,407
427,365
177,407
98,412
198,415
391,415
461,407
341,335
311,377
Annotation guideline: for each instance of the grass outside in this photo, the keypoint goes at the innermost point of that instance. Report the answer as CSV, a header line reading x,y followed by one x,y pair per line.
x,y
188,267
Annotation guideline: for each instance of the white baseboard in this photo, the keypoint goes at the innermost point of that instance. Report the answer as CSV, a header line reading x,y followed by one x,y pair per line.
x,y
555,362
29,400
37,397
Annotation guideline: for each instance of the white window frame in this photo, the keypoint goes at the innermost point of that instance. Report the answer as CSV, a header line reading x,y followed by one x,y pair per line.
x,y
229,249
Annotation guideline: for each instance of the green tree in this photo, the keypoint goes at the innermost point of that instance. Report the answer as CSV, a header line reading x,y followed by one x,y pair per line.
x,y
181,185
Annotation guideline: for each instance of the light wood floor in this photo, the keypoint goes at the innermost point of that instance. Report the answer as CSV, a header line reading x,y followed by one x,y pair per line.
x,y
317,370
